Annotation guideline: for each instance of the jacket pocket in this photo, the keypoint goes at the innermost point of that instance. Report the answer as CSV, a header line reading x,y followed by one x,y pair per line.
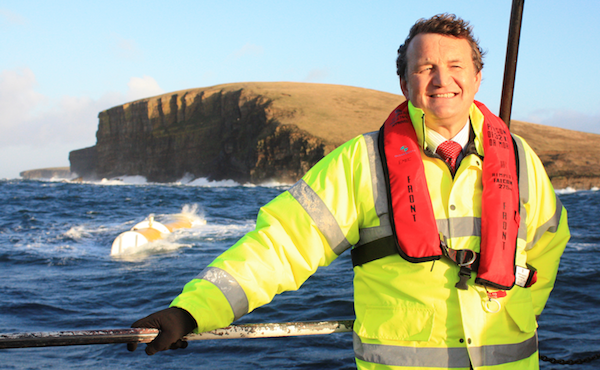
x,y
408,321
522,314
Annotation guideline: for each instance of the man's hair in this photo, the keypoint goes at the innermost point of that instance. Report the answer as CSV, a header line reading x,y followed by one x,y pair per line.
x,y
443,24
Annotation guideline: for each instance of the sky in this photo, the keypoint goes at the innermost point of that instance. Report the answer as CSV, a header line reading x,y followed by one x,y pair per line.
x,y
62,62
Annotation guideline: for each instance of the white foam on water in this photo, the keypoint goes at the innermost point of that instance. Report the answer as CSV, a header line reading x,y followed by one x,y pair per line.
x,y
190,180
274,184
125,180
56,179
84,231
190,212
186,179
204,182
568,190
193,213
77,232
219,231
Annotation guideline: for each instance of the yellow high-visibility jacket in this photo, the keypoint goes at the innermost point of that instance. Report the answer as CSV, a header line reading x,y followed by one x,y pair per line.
x,y
408,315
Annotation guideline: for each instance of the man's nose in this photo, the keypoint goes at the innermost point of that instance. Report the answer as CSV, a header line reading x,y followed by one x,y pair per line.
x,y
441,77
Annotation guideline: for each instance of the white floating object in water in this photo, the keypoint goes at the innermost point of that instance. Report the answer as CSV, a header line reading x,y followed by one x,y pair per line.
x,y
146,232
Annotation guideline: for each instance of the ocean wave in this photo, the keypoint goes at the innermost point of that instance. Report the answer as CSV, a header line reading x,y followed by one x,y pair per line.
x,y
201,182
87,231
125,180
212,232
190,180
570,190
205,182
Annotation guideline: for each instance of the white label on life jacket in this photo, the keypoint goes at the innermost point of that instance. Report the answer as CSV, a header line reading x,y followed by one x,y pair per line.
x,y
521,276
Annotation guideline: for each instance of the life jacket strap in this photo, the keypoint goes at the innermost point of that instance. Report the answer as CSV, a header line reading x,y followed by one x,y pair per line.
x,y
466,259
374,250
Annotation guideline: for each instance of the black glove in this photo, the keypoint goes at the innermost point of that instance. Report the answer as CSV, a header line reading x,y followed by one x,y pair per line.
x,y
174,323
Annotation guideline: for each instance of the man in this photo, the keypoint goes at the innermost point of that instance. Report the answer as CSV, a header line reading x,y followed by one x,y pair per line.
x,y
445,246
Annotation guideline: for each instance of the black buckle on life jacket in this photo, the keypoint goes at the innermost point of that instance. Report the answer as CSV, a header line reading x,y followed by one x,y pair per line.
x,y
464,274
466,259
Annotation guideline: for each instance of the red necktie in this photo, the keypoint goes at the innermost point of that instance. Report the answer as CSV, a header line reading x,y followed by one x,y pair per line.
x,y
449,151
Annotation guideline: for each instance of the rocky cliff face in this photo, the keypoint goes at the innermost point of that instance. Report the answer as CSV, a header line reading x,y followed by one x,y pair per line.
x,y
219,134
244,132
205,134
84,162
571,158
47,173
256,132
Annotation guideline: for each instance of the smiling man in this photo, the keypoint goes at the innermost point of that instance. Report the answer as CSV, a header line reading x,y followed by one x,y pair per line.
x,y
441,78
454,228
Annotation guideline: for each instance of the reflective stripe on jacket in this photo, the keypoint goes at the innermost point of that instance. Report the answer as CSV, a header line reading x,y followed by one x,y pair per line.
x,y
407,315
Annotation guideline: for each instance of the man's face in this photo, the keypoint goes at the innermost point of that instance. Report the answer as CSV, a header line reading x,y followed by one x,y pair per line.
x,y
441,80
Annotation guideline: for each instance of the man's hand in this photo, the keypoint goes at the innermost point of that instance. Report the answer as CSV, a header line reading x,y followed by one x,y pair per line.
x,y
174,323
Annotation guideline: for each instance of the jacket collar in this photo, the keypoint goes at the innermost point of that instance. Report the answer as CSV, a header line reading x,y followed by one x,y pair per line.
x,y
417,117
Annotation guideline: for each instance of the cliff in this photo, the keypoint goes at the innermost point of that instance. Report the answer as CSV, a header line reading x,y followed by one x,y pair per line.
x,y
47,173
248,132
255,132
571,158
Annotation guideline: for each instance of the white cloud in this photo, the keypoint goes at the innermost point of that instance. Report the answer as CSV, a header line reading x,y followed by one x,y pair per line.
x,y
38,130
143,87
569,119
248,50
32,119
18,99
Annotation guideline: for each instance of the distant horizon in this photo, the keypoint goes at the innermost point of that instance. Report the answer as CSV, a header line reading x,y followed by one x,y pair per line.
x,y
333,101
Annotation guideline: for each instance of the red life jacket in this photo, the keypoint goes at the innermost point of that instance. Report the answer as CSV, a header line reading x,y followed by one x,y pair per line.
x,y
414,225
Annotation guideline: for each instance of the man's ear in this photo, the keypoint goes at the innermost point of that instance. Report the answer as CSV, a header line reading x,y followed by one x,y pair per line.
x,y
404,87
478,77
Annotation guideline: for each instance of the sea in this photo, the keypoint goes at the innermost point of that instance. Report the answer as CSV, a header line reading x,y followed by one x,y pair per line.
x,y
57,274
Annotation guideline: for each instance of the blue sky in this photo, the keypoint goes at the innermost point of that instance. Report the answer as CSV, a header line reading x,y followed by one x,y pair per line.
x,y
62,62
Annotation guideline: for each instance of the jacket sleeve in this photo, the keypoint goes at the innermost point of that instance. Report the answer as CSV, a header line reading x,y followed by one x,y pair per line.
x,y
547,229
303,228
